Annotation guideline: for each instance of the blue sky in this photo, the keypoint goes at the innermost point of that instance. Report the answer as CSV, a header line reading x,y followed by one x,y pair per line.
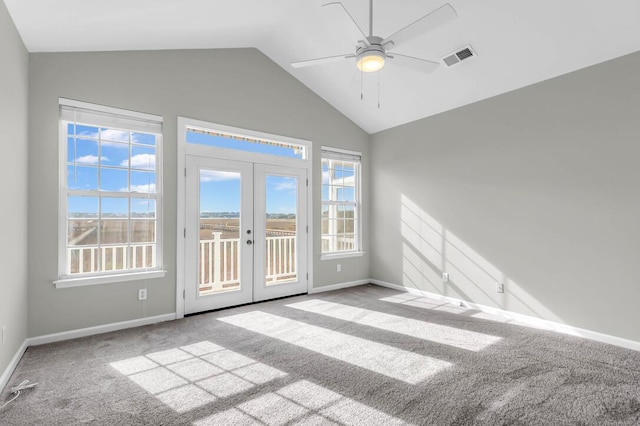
x,y
220,192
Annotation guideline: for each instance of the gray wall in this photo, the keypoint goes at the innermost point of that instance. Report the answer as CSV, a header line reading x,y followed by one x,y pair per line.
x,y
236,87
538,188
14,89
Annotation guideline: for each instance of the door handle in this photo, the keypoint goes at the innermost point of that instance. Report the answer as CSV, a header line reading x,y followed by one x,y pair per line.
x,y
249,242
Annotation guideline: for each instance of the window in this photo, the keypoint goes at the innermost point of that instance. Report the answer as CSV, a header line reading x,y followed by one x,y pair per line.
x,y
110,198
340,201
230,140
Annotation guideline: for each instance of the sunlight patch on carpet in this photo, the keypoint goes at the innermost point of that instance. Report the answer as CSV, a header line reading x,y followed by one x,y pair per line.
x,y
383,359
192,376
301,402
463,339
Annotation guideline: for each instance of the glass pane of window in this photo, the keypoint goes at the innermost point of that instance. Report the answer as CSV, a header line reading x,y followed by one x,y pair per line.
x,y
114,231
82,232
143,182
325,172
82,151
114,135
348,194
143,138
83,260
116,180
114,258
327,192
143,158
82,178
143,231
115,208
142,255
239,143
143,208
114,154
86,131
82,207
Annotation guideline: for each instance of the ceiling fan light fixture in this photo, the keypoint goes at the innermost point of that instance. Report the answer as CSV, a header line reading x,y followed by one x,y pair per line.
x,y
370,61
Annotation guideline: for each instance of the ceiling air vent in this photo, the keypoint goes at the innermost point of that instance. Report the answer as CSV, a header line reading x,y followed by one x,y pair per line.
x,y
465,53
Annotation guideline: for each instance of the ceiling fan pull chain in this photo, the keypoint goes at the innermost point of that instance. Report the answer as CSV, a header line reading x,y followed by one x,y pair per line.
x,y
361,86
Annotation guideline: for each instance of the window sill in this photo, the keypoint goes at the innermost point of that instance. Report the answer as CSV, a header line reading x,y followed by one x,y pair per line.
x,y
330,256
107,279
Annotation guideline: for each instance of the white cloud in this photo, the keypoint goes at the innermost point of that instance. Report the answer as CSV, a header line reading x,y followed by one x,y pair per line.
x,y
144,189
287,184
90,159
115,135
218,176
141,161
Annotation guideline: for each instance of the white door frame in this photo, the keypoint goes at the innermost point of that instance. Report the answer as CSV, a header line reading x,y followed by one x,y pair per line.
x,y
185,149
194,301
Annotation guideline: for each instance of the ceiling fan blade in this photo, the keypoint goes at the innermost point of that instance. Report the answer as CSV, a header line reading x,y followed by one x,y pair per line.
x,y
339,13
428,22
321,61
417,64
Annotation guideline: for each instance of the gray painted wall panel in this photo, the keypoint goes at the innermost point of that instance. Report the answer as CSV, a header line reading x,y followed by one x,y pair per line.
x,y
235,87
538,188
14,89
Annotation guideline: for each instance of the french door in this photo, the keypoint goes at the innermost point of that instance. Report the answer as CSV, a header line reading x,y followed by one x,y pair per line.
x,y
246,232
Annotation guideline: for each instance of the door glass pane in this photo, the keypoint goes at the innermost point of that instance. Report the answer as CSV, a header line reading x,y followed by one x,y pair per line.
x,y
219,224
281,220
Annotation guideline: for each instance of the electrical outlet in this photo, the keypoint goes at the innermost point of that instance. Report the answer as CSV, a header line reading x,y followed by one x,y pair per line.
x,y
445,277
339,268
500,287
142,294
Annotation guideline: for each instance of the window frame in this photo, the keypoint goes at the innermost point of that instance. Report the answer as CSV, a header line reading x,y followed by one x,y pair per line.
x,y
349,156
105,115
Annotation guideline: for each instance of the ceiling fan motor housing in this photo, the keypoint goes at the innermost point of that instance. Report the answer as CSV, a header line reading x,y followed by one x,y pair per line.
x,y
371,58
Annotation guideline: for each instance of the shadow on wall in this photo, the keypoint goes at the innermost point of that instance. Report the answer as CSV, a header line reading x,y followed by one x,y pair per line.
x,y
429,249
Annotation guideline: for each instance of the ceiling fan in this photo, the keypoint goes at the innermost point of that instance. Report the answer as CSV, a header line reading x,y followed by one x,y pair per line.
x,y
373,51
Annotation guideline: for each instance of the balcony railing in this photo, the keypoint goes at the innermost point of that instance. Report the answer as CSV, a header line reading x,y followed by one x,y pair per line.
x,y
218,268
87,259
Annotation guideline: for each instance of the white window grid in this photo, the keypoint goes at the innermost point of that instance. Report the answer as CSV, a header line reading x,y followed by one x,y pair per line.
x,y
104,258
340,233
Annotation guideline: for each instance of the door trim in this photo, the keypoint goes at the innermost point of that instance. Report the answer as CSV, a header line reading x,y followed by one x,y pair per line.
x,y
184,149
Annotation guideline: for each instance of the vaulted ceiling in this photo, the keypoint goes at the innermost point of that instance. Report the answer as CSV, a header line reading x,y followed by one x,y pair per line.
x,y
517,43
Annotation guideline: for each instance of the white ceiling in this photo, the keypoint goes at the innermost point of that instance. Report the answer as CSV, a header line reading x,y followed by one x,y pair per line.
x,y
518,42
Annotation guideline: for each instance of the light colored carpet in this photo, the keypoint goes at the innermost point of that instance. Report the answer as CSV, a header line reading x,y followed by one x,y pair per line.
x,y
366,355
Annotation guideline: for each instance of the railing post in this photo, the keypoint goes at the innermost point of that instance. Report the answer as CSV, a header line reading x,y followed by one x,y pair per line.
x,y
216,259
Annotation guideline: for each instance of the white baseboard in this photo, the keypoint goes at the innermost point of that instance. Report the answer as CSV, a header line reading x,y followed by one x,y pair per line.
x,y
521,318
4,378
338,286
99,329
